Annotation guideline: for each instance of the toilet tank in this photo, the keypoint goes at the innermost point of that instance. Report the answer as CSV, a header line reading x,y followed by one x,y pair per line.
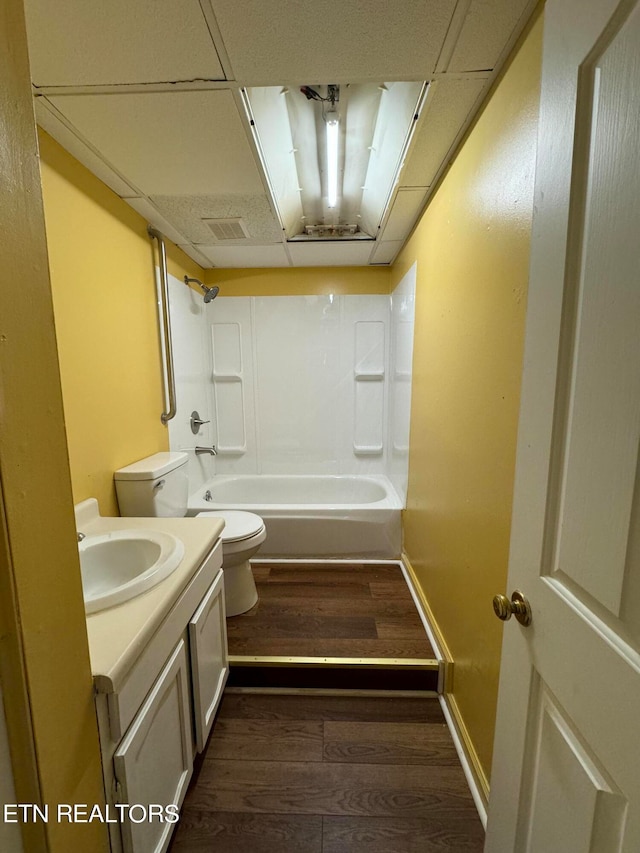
x,y
155,486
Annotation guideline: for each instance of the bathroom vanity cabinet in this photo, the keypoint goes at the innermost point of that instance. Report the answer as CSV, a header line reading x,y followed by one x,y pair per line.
x,y
158,712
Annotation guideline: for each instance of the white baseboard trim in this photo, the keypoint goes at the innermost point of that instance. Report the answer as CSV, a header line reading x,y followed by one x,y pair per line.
x,y
441,652
417,600
472,780
476,779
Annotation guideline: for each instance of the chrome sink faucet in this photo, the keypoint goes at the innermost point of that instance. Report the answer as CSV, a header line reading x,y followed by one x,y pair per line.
x,y
212,450
81,536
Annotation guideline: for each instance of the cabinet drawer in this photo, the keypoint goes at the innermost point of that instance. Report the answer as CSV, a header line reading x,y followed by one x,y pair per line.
x,y
153,764
209,662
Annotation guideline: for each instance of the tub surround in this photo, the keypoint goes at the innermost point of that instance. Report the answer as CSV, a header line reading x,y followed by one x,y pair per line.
x,y
313,384
306,399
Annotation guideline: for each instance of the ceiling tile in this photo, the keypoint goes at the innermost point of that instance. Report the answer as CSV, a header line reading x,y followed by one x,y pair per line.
x,y
485,32
49,120
170,143
330,254
237,257
188,212
447,107
386,251
195,255
147,210
330,41
147,41
406,206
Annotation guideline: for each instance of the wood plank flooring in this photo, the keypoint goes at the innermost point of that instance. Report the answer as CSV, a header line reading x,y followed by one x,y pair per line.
x,y
332,610
328,774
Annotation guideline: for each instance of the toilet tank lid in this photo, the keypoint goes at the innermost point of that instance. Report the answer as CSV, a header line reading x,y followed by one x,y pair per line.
x,y
151,467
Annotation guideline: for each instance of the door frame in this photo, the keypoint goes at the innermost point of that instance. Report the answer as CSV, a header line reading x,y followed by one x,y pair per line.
x,y
43,637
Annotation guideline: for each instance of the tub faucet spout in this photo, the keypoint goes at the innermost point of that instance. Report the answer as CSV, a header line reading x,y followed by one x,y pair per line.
x,y
212,450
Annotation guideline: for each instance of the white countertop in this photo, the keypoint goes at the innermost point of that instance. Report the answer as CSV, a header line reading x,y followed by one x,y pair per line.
x,y
118,635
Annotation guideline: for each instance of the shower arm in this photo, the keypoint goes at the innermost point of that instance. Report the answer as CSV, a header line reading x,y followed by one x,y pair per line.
x,y
167,362
210,293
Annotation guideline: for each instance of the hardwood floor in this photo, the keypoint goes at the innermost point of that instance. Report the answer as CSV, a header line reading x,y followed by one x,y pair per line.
x,y
334,610
311,773
328,774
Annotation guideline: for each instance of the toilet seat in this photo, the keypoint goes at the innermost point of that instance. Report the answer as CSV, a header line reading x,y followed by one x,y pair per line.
x,y
238,525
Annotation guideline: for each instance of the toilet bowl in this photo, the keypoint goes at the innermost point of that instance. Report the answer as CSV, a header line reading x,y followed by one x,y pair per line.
x,y
243,534
157,486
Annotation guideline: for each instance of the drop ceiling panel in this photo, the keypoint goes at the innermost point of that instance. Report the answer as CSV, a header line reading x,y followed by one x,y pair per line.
x,y
406,206
195,255
386,251
148,211
237,257
146,41
170,143
49,120
447,107
188,213
332,40
330,254
485,32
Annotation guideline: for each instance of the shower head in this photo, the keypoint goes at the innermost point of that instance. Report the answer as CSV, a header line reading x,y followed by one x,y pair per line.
x,y
209,292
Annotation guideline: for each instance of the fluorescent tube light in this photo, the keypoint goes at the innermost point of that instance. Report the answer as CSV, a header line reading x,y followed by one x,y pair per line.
x,y
333,138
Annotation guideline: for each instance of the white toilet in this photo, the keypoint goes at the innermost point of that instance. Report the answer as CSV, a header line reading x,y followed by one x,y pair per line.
x,y
158,486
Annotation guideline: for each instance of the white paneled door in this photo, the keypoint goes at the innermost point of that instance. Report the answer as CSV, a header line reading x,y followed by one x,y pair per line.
x,y
566,775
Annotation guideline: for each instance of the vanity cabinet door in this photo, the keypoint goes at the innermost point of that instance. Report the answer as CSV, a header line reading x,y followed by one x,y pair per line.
x,y
153,763
209,661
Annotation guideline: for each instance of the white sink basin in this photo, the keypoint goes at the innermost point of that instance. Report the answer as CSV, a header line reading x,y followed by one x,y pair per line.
x,y
119,565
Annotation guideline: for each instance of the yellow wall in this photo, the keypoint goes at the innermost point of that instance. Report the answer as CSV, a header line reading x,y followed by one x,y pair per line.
x,y
472,250
301,281
101,263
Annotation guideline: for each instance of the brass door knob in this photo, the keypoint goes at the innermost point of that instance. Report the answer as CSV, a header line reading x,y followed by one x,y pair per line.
x,y
518,606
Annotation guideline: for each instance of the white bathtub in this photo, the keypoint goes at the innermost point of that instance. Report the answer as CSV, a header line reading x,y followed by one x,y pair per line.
x,y
312,515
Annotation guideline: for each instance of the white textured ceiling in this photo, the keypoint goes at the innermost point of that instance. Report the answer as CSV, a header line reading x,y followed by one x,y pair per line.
x,y
483,34
270,41
147,95
119,41
448,104
168,143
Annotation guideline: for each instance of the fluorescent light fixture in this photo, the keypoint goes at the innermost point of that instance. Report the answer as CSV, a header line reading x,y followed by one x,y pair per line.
x,y
333,140
320,147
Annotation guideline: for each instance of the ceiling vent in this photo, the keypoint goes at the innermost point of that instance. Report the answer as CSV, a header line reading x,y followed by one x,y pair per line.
x,y
228,229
